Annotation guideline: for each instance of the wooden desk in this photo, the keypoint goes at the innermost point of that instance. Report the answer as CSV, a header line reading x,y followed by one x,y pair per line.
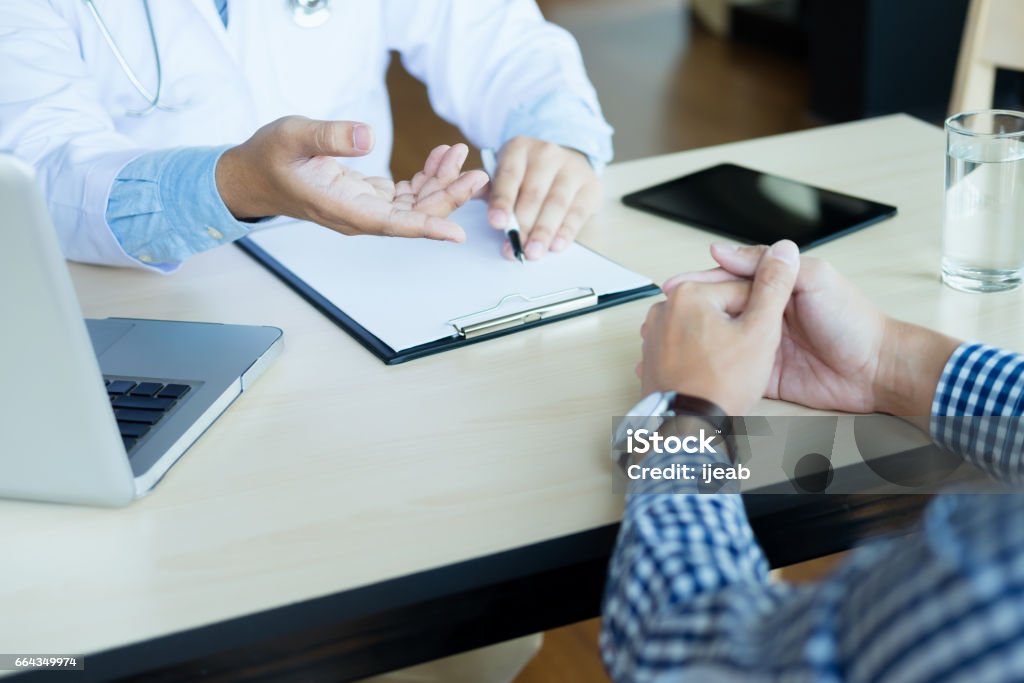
x,y
367,506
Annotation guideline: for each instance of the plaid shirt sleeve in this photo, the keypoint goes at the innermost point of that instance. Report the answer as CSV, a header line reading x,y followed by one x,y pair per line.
x,y
689,597
977,406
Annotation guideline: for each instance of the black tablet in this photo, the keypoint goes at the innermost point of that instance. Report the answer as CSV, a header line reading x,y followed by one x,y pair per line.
x,y
757,207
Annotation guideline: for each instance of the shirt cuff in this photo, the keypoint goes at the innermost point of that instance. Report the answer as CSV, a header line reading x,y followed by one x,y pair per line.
x,y
979,382
164,207
567,120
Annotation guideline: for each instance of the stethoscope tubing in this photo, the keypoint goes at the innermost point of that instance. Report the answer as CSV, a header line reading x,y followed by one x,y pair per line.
x,y
152,99
153,102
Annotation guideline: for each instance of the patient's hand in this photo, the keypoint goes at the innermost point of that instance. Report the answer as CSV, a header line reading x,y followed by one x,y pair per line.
x,y
288,168
718,340
838,351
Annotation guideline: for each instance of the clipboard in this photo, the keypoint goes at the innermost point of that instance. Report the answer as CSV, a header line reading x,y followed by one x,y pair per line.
x,y
501,315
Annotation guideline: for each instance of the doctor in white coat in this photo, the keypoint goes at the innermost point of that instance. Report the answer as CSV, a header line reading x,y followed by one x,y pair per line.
x,y
162,128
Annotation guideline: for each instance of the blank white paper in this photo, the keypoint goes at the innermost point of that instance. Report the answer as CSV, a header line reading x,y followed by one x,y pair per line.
x,y
405,291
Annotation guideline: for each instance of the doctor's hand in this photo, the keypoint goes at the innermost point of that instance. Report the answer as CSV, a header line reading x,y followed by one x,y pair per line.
x,y
718,340
553,191
287,168
838,351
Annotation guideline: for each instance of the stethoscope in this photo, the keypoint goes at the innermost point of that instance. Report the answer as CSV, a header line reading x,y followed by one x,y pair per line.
x,y
305,13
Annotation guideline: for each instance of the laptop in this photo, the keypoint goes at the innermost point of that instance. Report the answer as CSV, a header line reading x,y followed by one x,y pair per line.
x,y
97,411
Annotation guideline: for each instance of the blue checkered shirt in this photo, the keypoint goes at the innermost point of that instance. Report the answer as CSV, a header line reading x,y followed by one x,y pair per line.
x,y
689,596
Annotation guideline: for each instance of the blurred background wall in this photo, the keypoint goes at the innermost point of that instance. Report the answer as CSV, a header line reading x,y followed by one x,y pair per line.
x,y
675,75
664,82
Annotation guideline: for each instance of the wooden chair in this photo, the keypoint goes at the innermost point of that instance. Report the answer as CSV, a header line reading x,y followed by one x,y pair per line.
x,y
714,15
993,38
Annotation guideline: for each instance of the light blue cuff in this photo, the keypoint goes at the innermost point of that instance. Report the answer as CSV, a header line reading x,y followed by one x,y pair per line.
x,y
565,119
164,207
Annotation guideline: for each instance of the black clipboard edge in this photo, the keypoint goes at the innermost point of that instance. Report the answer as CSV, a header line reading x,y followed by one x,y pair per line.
x,y
374,345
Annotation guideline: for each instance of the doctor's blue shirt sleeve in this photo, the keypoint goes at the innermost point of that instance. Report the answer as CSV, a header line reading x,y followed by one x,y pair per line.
x,y
565,119
164,207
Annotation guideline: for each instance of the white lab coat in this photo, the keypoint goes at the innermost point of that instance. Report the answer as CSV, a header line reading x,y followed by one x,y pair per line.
x,y
63,96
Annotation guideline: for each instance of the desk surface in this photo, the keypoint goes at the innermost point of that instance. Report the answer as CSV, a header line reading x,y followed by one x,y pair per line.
x,y
336,471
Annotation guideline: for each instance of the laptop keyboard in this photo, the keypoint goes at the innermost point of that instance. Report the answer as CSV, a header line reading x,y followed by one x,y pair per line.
x,y
139,406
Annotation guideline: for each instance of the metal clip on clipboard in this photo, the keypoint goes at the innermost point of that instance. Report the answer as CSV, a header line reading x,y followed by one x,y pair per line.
x,y
499,317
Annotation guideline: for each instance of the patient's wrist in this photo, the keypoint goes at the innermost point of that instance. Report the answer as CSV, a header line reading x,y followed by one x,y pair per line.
x,y
910,363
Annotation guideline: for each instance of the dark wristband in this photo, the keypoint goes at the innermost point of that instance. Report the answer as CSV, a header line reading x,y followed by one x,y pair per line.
x,y
684,404
712,413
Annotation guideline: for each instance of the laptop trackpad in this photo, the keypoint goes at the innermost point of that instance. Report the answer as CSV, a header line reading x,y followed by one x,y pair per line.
x,y
105,332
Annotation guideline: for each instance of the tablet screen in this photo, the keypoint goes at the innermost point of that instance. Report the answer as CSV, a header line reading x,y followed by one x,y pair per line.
x,y
757,207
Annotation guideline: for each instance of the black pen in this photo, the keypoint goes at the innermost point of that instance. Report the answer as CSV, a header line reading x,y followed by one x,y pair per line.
x,y
512,229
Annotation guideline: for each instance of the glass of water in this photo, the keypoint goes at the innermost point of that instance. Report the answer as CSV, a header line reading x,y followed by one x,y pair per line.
x,y
983,230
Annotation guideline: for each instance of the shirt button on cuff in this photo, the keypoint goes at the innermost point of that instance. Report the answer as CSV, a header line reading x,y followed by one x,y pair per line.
x,y
214,233
146,258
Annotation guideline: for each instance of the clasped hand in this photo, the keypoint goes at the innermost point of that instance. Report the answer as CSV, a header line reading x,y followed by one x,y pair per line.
x,y
770,323
718,341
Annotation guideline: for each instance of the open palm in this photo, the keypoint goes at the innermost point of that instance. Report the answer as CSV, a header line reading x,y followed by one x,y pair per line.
x,y
354,204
